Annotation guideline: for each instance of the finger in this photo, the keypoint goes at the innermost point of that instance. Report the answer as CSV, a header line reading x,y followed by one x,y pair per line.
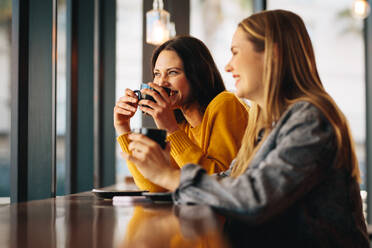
x,y
137,137
140,150
128,99
158,98
121,111
126,106
129,92
161,90
147,110
131,95
149,103
138,162
132,158
138,155
141,142
129,157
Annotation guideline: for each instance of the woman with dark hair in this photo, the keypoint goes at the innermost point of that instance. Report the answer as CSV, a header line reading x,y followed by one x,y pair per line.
x,y
203,77
204,122
294,182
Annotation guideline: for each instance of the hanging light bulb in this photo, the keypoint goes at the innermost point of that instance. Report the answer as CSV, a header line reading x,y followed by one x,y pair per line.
x,y
360,9
157,24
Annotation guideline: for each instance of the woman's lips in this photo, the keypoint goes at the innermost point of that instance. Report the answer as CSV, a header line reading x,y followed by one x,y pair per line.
x,y
237,78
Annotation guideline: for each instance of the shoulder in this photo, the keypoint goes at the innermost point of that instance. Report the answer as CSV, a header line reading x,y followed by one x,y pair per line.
x,y
304,110
304,115
225,100
224,96
228,109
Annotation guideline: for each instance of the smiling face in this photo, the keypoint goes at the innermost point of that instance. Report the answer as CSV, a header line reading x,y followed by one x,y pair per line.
x,y
169,72
246,66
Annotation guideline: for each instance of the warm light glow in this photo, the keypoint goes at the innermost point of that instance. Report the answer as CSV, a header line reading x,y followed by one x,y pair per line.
x,y
360,9
159,33
158,26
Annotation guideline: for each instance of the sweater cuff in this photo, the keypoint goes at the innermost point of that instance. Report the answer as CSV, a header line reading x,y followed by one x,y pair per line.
x,y
179,142
190,175
124,142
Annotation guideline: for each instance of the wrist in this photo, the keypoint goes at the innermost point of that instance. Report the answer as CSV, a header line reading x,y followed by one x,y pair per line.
x,y
171,180
122,129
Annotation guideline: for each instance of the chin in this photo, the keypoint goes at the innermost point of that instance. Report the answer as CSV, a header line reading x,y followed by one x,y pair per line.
x,y
239,94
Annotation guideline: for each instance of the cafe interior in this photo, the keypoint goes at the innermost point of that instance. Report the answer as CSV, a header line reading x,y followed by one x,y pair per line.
x,y
63,66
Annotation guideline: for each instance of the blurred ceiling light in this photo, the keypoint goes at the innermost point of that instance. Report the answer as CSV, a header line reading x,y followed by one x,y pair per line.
x,y
360,9
158,26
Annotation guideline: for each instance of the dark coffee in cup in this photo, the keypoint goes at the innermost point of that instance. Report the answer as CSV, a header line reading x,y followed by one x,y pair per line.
x,y
158,135
148,97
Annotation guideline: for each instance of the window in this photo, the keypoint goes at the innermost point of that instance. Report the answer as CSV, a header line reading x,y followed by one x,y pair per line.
x,y
339,49
214,22
61,97
5,55
128,62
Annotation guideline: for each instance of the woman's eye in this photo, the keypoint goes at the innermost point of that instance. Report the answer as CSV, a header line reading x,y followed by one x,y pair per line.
x,y
172,72
156,74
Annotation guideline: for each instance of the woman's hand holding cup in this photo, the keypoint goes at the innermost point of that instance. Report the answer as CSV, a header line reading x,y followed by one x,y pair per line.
x,y
124,109
152,160
161,109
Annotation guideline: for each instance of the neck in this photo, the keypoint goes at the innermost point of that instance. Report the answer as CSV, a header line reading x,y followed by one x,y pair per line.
x,y
193,115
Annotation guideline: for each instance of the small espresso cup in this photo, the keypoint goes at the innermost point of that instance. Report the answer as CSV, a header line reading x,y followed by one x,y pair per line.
x,y
148,97
158,135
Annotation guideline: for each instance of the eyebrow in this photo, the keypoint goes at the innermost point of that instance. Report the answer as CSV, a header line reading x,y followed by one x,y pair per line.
x,y
172,68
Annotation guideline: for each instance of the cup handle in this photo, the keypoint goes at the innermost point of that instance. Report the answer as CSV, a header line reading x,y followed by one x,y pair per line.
x,y
138,93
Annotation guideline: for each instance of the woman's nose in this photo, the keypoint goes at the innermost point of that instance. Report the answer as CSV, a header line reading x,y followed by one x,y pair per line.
x,y
228,68
159,80
163,80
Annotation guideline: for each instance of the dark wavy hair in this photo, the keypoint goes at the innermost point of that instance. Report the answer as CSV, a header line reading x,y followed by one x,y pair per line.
x,y
199,67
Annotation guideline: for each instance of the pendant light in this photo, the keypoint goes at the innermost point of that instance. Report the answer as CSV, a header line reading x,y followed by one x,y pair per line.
x,y
360,9
158,26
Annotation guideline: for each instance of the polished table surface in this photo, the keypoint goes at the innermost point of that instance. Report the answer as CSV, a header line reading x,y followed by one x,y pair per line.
x,y
84,220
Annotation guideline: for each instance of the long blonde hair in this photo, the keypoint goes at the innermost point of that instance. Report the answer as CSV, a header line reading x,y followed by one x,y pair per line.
x,y
290,75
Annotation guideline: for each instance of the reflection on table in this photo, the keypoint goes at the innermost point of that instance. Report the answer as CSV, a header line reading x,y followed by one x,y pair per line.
x,y
185,226
83,220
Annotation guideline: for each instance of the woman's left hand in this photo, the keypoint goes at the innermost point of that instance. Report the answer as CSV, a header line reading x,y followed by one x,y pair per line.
x,y
152,161
161,110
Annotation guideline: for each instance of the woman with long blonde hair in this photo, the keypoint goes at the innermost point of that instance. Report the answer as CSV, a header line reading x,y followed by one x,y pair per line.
x,y
295,178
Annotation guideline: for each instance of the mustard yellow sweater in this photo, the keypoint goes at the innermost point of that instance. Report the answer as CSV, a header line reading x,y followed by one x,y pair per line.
x,y
213,144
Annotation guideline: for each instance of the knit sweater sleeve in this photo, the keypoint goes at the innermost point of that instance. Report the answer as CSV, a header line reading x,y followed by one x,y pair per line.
x,y
141,182
222,129
292,161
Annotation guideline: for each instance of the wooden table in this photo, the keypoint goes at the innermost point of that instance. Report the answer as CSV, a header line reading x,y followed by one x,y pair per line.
x,y
83,220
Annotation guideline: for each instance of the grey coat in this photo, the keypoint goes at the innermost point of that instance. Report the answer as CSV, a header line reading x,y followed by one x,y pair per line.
x,y
291,191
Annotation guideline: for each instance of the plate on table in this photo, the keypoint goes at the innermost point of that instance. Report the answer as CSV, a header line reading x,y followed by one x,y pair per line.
x,y
111,193
159,196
